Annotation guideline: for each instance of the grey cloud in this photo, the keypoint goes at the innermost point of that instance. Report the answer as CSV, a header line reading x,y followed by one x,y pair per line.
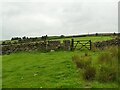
x,y
53,18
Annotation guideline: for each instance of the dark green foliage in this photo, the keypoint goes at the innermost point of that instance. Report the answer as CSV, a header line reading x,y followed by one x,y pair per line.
x,y
16,38
114,33
6,43
62,36
44,37
3,43
89,73
96,34
24,37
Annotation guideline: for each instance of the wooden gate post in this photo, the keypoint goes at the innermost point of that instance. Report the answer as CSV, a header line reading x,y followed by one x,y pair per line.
x,y
90,44
72,44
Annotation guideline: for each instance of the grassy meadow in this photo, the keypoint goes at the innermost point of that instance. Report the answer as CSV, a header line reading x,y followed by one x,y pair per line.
x,y
92,38
51,70
60,69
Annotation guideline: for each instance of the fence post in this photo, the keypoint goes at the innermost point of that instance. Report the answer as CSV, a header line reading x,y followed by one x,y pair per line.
x,y
72,44
45,41
90,44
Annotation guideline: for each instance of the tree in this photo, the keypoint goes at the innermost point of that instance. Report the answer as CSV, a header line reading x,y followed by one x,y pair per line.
x,y
114,33
44,37
62,36
15,38
24,38
96,34
3,43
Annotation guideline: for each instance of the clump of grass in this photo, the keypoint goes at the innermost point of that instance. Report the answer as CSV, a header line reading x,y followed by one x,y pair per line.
x,y
104,57
119,73
114,51
109,56
84,62
81,62
107,74
94,49
105,71
76,60
89,73
87,61
108,61
86,54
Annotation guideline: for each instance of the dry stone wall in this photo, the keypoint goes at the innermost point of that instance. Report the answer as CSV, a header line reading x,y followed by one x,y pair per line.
x,y
107,43
66,44
50,45
36,46
53,45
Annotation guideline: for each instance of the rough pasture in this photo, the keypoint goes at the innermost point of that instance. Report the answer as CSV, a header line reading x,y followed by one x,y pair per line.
x,y
48,70
56,69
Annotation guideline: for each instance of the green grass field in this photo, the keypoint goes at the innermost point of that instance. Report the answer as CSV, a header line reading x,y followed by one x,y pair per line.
x,y
92,38
0,71
49,70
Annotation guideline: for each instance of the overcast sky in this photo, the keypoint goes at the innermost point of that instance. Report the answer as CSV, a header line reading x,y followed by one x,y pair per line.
x,y
57,17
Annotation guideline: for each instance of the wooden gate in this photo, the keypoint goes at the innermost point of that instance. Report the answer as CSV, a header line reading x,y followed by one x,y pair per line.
x,y
80,44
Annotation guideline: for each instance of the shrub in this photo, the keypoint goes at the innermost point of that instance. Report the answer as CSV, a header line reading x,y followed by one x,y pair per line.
x,y
82,62
106,73
89,73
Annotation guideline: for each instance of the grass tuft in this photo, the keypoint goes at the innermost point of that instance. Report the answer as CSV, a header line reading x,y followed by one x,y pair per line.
x,y
107,74
89,73
82,62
